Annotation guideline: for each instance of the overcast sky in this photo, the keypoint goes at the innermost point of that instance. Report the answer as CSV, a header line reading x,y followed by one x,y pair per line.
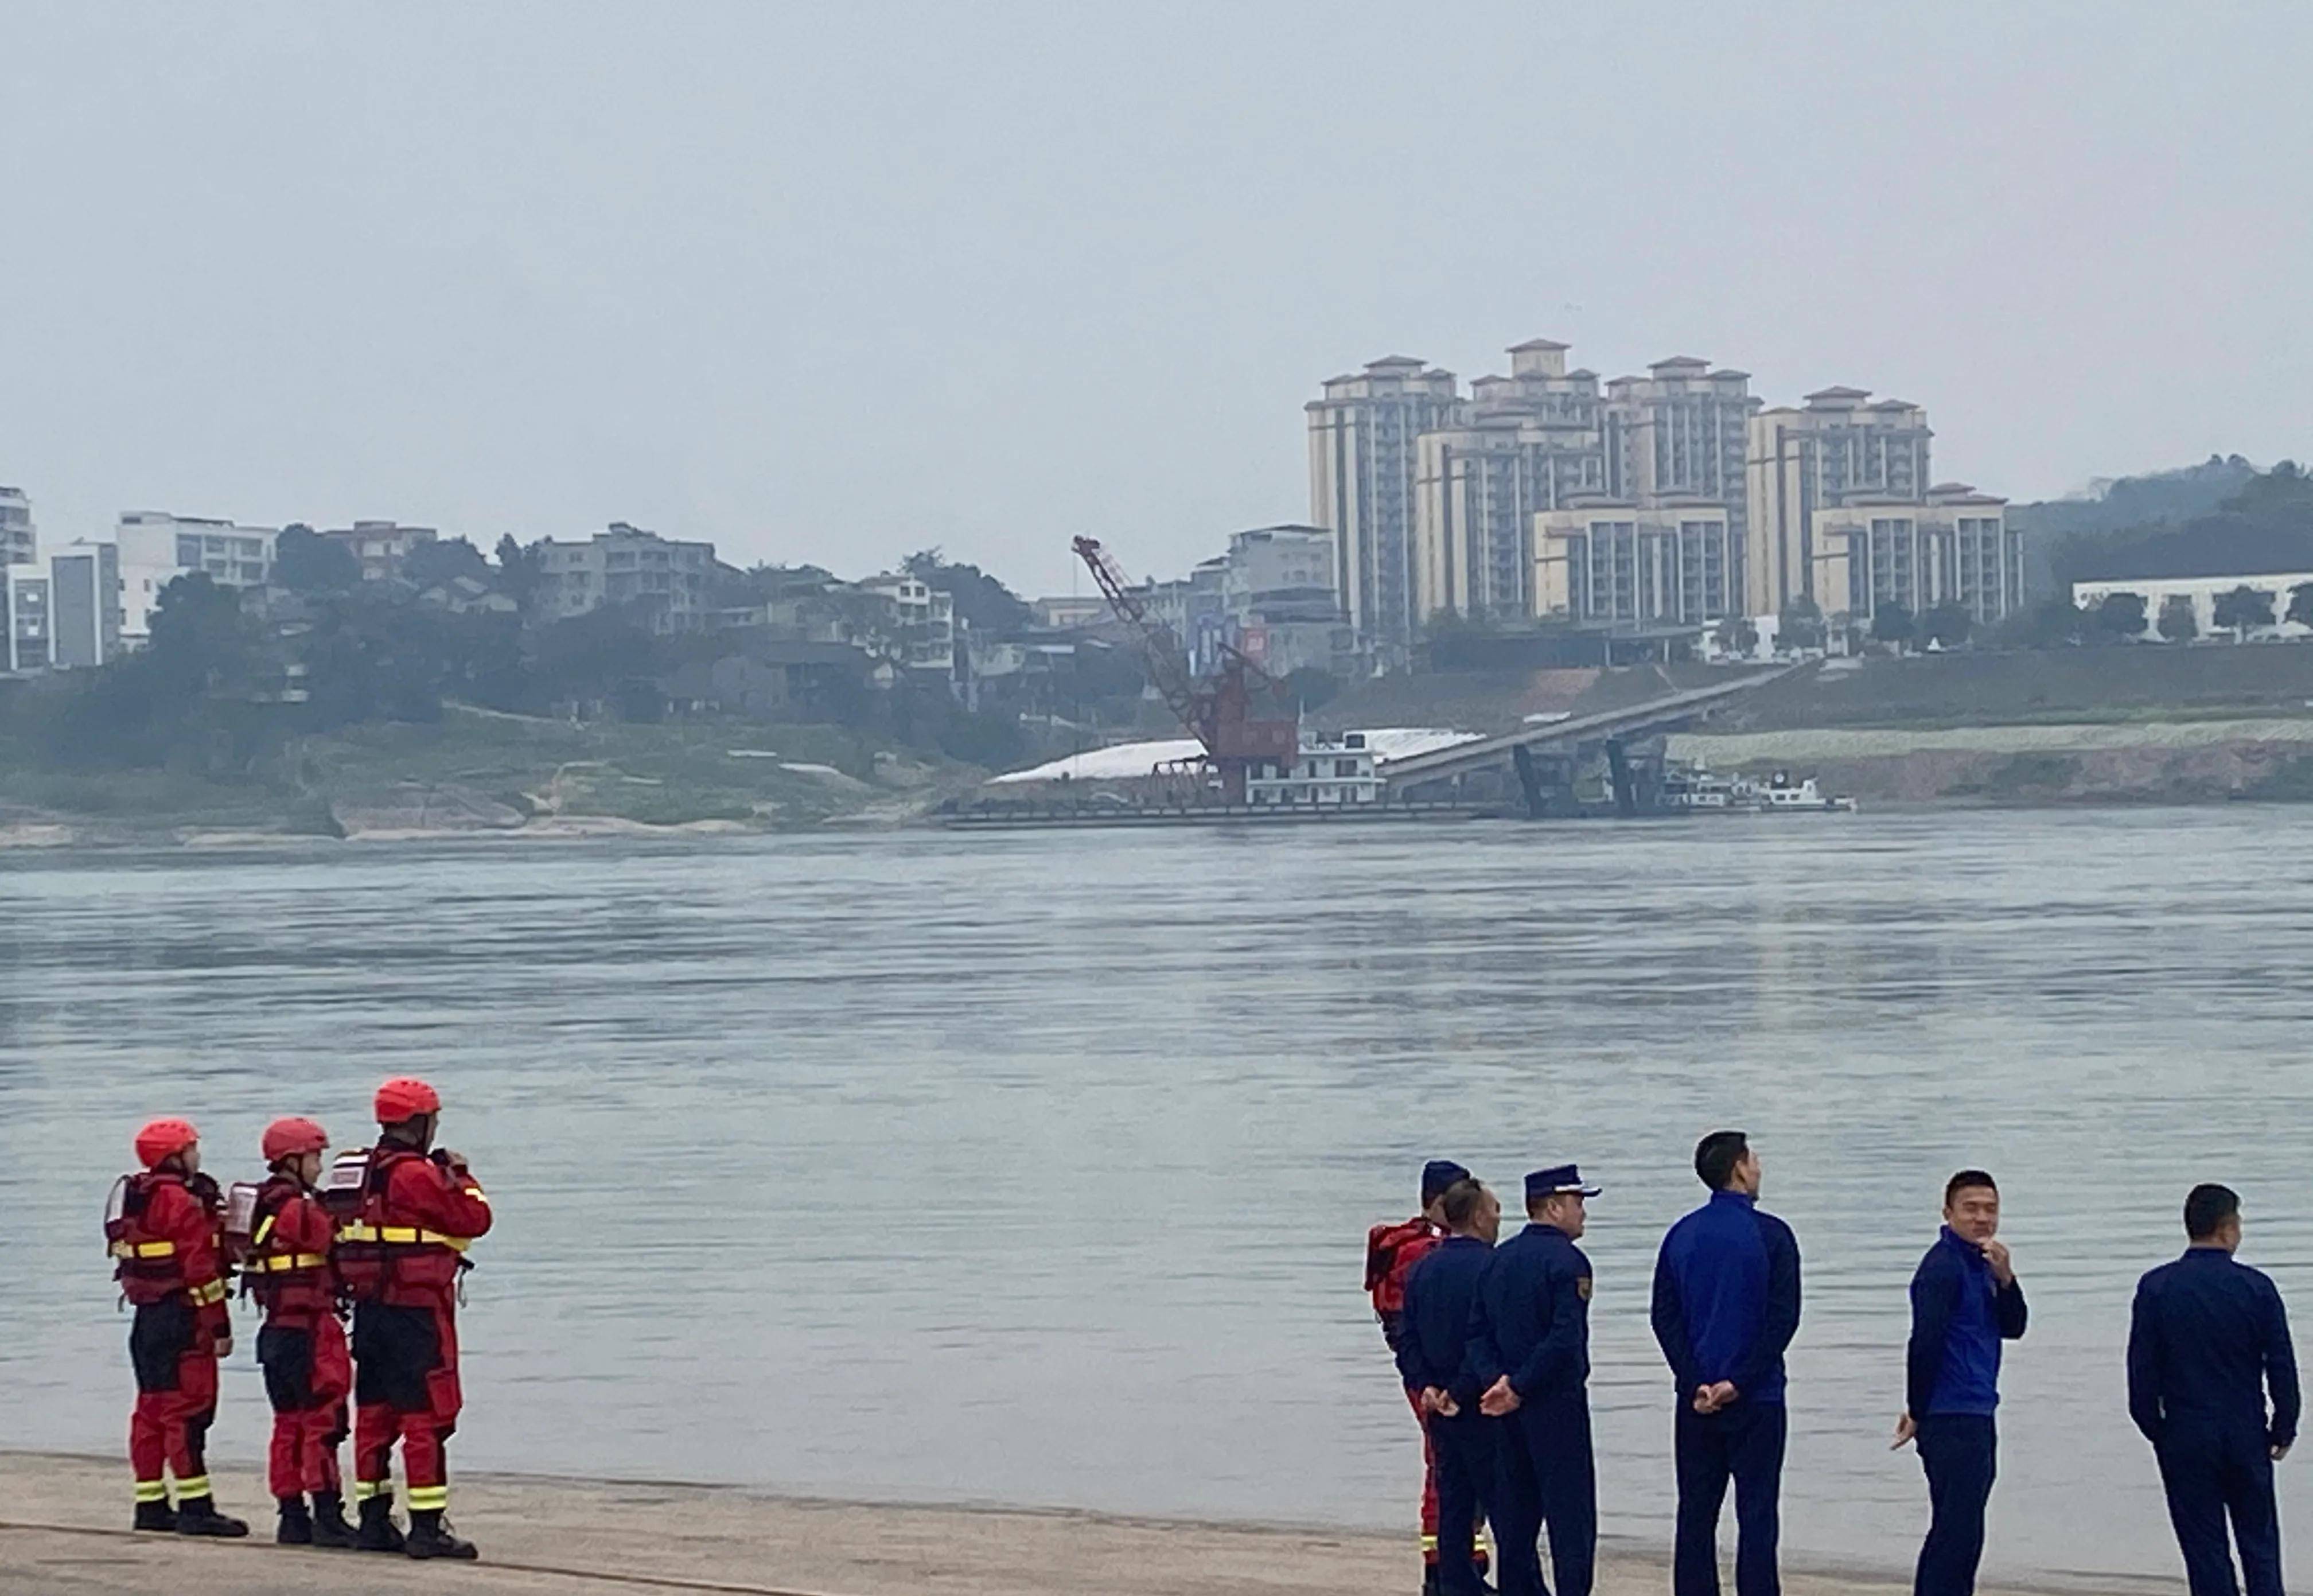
x,y
838,280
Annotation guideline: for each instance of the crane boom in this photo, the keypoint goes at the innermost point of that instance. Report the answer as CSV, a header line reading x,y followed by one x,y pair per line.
x,y
1165,667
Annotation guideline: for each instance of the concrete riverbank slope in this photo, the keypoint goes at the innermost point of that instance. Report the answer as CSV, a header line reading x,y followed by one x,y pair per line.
x,y
60,1532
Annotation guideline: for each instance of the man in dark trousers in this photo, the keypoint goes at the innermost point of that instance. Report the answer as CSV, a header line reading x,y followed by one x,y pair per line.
x,y
1965,1302
1726,1306
2208,1341
1433,1348
1530,1355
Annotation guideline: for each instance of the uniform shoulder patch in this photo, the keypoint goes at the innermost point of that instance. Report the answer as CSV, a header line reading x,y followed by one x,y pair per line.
x,y
1582,1287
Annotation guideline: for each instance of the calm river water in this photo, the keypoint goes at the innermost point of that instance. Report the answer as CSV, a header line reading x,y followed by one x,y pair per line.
x,y
1036,1169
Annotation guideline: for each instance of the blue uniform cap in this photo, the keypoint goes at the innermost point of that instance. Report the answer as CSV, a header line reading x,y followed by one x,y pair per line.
x,y
1438,1174
1558,1178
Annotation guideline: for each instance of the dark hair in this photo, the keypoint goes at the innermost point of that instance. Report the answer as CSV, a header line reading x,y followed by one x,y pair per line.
x,y
2206,1207
1966,1178
1716,1156
1463,1199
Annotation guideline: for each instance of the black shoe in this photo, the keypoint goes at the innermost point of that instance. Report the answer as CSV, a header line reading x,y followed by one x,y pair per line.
x,y
379,1532
198,1515
329,1526
1430,1581
296,1524
430,1535
155,1515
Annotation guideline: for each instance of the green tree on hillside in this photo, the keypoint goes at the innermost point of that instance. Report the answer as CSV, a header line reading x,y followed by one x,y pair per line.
x,y
2243,610
2121,616
429,565
1894,625
980,601
518,569
2177,622
1737,635
304,562
1800,625
2300,604
1947,625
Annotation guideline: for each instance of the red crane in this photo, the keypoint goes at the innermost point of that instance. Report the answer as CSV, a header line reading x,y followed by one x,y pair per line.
x,y
1218,713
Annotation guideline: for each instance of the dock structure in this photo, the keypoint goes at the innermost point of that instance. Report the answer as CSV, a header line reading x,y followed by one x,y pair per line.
x,y
1543,758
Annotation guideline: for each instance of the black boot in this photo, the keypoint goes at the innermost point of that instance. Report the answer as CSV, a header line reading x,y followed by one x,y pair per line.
x,y
379,1532
198,1515
296,1524
430,1536
1429,1579
155,1515
329,1526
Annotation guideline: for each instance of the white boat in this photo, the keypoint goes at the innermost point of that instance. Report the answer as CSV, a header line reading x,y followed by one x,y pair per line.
x,y
1782,796
1694,789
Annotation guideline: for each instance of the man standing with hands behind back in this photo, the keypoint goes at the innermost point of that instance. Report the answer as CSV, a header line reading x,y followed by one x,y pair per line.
x,y
1726,1306
1965,1302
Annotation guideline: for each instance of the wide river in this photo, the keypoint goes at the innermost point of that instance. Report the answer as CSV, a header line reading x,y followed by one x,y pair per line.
x,y
1036,1167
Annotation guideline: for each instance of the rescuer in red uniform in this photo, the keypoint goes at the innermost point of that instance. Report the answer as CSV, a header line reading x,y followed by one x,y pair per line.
x,y
399,1257
1390,1253
166,1229
302,1345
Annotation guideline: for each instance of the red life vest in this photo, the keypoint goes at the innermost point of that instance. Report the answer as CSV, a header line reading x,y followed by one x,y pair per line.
x,y
1390,1253
284,1271
379,1249
150,1267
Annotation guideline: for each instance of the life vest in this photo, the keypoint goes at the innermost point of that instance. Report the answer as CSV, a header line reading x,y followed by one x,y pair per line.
x,y
282,1277
377,1250
151,1266
1390,1253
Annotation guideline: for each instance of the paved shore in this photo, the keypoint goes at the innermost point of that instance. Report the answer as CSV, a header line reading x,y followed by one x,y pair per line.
x,y
61,1517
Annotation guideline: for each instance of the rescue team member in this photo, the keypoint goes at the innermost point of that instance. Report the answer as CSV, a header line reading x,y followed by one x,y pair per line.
x,y
1965,1302
2208,1341
1390,1253
1530,1356
1726,1306
302,1345
1432,1347
166,1230
416,1209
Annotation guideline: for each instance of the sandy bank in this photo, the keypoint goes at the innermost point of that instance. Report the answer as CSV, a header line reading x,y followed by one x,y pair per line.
x,y
60,1518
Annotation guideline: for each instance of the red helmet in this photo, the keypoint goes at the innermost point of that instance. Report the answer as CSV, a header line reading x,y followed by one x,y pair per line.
x,y
286,1138
163,1138
405,1096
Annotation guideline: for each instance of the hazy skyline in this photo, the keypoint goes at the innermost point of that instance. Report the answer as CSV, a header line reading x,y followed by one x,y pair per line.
x,y
835,283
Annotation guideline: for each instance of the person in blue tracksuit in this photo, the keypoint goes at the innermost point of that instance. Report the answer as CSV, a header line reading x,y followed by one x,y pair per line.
x,y
1433,1351
1965,1302
1726,1306
1530,1356
2208,1342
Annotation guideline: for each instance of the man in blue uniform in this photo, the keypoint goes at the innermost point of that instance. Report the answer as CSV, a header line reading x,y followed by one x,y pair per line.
x,y
1432,1348
1965,1302
1726,1305
2208,1341
1530,1355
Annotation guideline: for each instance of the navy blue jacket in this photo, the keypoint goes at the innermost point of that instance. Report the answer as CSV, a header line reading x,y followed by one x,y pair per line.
x,y
1434,1338
1727,1298
1531,1318
2207,1338
1959,1316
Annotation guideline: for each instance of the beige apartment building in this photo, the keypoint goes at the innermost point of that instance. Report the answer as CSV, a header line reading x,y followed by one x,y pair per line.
x,y
1525,443
1840,447
1364,449
1950,545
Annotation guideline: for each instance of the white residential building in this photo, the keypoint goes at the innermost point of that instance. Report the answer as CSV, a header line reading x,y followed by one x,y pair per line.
x,y
665,580
25,623
19,540
1364,459
1951,546
155,548
921,627
84,604
380,547
1840,447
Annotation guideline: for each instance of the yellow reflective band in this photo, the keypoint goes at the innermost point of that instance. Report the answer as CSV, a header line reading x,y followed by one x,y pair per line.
x,y
402,1236
364,1489
475,1192
427,1498
143,1249
282,1262
152,1490
203,1295
263,1231
198,1486
1429,1543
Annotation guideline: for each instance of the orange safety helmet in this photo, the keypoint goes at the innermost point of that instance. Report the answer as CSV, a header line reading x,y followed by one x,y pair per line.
x,y
163,1138
405,1096
286,1138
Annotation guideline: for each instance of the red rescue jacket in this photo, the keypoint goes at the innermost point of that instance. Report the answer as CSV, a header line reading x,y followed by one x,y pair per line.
x,y
288,1270
406,1244
1390,1253
168,1237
